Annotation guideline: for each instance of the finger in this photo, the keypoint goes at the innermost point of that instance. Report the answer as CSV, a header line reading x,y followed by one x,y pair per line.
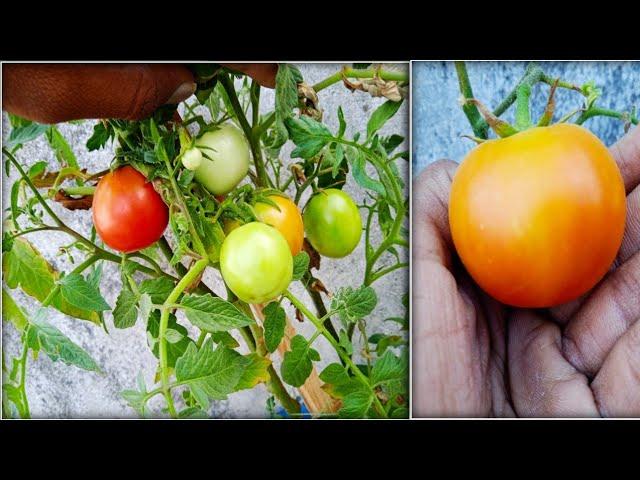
x,y
631,239
604,317
627,154
446,358
52,93
617,385
543,383
263,73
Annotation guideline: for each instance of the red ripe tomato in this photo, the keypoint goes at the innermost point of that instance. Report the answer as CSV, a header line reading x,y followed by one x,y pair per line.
x,y
128,213
537,218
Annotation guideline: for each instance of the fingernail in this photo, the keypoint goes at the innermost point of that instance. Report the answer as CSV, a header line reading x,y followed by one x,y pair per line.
x,y
181,93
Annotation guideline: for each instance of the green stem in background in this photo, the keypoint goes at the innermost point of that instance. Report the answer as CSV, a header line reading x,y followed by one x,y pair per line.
x,y
343,355
388,75
79,191
254,140
469,109
523,114
605,112
23,373
184,282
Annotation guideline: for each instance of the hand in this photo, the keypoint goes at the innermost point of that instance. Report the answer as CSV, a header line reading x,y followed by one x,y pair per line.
x,y
52,93
473,356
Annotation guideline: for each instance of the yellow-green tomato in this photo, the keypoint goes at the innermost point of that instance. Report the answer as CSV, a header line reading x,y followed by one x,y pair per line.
x,y
192,158
256,262
332,223
228,162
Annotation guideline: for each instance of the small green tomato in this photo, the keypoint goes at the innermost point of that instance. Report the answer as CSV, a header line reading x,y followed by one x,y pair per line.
x,y
192,158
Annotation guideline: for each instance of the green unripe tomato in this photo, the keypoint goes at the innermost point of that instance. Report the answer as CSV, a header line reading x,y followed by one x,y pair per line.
x,y
256,262
228,162
192,158
332,223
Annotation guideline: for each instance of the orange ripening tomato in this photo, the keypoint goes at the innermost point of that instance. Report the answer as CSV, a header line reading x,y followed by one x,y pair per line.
x,y
287,220
537,218
128,213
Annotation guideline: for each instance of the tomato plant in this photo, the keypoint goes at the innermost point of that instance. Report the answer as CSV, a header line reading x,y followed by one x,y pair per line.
x,y
217,291
537,215
332,223
122,203
285,217
256,263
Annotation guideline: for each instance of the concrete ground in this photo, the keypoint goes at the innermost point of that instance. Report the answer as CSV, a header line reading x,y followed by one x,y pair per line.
x,y
438,120
59,391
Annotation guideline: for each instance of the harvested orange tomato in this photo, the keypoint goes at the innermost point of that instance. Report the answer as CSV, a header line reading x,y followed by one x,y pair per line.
x,y
538,217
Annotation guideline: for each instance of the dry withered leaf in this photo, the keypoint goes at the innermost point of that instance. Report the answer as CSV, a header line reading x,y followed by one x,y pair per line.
x,y
299,316
298,173
309,101
71,203
318,286
377,87
314,257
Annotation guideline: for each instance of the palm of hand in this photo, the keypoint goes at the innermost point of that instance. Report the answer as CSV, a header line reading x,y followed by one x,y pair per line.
x,y
476,357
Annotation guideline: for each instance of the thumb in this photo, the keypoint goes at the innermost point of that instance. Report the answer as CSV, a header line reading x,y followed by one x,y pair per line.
x,y
52,93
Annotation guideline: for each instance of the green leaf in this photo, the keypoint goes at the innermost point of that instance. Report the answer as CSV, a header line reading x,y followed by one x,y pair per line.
x,y
12,312
210,374
256,371
173,336
125,312
343,125
383,342
287,80
24,267
297,363
389,368
95,275
352,305
26,133
300,265
174,350
135,400
225,339
391,142
192,412
157,288
144,306
344,342
360,175
275,321
79,293
213,314
99,137
44,336
402,412
381,115
356,405
61,147
309,135
338,383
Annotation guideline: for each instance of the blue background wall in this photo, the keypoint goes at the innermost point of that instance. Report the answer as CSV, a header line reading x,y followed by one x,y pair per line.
x,y
438,120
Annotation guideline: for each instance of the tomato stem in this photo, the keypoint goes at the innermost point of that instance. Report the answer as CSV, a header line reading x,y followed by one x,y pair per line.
x,y
523,114
388,75
184,282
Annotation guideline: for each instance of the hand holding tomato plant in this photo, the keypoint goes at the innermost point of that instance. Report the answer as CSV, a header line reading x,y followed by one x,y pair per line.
x,y
475,356
234,205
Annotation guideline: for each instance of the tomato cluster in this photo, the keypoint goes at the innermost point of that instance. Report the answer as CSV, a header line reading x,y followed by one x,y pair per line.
x,y
256,259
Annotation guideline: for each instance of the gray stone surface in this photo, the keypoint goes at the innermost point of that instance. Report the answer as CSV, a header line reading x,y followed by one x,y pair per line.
x,y
438,120
57,390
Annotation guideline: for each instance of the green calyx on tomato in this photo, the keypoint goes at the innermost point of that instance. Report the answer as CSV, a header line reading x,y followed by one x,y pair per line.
x,y
332,223
128,213
225,161
256,262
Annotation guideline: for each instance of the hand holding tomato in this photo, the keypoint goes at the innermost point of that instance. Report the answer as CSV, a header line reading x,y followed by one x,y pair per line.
x,y
474,356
